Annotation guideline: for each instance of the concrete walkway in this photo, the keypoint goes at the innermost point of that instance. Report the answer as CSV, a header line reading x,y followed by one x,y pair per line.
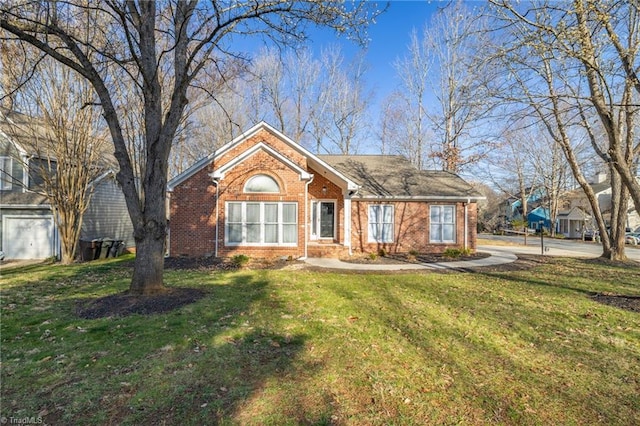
x,y
498,256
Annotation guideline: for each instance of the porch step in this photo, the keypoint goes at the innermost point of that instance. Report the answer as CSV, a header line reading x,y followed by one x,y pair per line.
x,y
334,251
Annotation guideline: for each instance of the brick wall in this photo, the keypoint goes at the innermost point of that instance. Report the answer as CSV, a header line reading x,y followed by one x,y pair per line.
x,y
193,202
192,216
333,193
411,228
193,230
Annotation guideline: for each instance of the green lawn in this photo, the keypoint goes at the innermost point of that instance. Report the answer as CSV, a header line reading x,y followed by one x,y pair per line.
x,y
306,347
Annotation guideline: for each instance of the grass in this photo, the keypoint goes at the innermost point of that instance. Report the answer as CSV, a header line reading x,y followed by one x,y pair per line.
x,y
287,347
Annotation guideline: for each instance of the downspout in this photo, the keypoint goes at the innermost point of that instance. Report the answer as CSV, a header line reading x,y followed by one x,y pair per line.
x,y
167,206
25,172
347,223
215,250
466,223
306,217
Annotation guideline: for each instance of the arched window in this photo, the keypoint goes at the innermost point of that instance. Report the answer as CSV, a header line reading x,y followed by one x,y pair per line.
x,y
262,183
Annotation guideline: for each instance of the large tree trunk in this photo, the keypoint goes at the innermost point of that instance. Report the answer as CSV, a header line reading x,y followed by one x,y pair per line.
x,y
151,229
619,206
149,264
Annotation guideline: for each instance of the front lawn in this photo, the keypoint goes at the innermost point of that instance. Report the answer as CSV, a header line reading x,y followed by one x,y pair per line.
x,y
296,347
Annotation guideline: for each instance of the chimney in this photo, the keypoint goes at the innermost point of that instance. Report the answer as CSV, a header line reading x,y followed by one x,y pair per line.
x,y
600,177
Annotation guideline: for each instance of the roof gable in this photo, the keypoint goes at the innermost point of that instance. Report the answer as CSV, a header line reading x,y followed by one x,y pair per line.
x,y
575,213
219,173
262,126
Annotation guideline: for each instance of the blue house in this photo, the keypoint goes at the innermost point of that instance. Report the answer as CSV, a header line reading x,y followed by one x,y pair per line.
x,y
537,215
514,203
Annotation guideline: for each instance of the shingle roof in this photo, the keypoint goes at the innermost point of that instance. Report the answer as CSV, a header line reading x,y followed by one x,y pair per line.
x,y
35,137
393,176
23,199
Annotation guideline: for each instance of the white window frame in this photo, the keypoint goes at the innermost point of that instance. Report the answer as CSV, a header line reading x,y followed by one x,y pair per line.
x,y
252,188
372,236
261,223
436,228
316,219
6,173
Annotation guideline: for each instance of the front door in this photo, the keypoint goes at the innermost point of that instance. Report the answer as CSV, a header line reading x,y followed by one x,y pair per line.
x,y
323,219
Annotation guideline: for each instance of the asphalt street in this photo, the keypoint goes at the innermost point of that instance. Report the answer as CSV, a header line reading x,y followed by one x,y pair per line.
x,y
552,246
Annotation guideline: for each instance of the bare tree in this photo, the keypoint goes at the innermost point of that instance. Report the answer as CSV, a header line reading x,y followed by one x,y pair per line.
x,y
410,100
339,125
547,159
67,141
443,88
216,113
511,171
319,102
489,209
586,43
402,133
457,40
157,49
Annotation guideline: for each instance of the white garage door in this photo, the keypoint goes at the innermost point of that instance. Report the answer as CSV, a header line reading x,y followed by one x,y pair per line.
x,y
28,237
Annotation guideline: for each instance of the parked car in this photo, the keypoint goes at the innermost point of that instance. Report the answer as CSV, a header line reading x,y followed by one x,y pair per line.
x,y
630,238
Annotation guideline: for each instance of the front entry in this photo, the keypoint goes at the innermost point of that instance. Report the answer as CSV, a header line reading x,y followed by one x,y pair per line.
x,y
323,219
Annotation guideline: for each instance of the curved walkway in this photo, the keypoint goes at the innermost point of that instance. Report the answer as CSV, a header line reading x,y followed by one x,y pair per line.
x,y
497,257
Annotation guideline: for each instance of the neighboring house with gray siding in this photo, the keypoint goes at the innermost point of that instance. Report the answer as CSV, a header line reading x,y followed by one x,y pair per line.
x,y
27,225
107,215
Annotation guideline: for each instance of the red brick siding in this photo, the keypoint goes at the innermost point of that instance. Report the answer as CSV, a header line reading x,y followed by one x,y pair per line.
x,y
292,189
411,228
333,193
192,216
193,207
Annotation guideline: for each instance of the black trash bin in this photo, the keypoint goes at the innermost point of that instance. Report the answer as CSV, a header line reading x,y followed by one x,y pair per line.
x,y
90,249
87,250
98,246
116,248
105,250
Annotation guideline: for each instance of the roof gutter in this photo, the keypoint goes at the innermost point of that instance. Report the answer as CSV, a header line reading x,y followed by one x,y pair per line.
x,y
25,206
419,198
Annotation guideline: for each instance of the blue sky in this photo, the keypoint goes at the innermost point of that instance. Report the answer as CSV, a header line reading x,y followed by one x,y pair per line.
x,y
389,39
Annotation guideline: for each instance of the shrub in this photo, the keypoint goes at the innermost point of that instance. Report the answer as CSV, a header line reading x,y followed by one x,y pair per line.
x,y
455,253
382,252
373,256
413,253
240,260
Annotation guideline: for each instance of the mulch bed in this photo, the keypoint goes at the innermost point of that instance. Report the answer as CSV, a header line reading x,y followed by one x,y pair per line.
x,y
401,258
220,264
124,304
629,303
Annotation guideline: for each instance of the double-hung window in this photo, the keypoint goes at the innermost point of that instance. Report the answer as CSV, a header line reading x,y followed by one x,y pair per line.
x,y
261,223
5,173
381,223
442,226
